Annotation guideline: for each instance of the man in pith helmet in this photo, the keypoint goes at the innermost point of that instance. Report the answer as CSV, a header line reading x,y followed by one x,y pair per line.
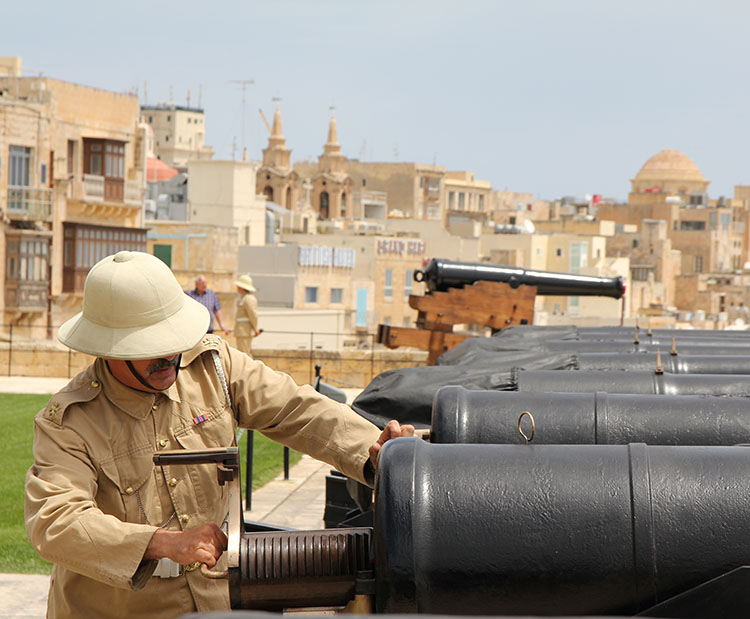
x,y
246,321
123,533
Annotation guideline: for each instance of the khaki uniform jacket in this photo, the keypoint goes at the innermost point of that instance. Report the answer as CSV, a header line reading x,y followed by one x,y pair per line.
x,y
246,322
94,497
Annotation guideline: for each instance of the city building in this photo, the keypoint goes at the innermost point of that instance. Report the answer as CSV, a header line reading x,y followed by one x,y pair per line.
x,y
367,277
179,133
670,187
467,203
72,180
222,193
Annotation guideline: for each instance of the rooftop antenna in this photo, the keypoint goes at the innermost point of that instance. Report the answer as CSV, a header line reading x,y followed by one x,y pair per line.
x,y
145,92
188,98
243,84
200,94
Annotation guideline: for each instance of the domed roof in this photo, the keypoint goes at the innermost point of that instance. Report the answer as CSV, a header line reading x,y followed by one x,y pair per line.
x,y
669,165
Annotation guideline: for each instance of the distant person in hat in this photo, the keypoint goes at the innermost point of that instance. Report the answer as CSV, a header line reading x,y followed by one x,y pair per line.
x,y
124,534
207,297
246,322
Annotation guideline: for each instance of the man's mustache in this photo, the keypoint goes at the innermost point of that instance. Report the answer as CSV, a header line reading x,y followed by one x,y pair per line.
x,y
160,364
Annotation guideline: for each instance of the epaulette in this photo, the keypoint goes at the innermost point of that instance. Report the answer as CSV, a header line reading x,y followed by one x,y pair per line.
x,y
83,388
209,342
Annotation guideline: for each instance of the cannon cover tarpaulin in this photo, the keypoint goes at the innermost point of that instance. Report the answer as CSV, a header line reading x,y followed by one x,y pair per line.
x,y
406,394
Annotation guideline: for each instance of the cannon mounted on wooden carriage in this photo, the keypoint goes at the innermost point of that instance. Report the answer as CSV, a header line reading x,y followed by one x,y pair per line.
x,y
486,295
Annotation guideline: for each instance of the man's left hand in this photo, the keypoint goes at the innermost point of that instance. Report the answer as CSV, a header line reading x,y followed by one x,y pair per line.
x,y
392,430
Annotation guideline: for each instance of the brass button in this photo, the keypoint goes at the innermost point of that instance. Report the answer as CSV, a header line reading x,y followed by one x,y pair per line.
x,y
163,442
155,407
184,518
129,490
172,482
94,383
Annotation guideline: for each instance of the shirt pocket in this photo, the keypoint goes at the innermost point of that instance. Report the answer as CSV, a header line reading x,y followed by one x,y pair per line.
x,y
131,477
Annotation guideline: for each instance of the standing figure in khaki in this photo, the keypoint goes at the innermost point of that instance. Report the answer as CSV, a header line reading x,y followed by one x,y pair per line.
x,y
246,322
125,535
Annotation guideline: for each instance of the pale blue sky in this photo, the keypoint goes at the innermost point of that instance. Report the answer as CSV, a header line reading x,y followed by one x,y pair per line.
x,y
550,97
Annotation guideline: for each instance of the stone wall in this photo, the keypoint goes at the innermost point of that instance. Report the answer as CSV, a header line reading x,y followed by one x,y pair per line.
x,y
346,369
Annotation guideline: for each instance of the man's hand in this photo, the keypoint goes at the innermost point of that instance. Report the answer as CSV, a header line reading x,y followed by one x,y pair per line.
x,y
392,430
204,543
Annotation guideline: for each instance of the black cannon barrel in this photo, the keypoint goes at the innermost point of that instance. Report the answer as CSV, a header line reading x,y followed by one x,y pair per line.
x,y
637,381
442,274
645,333
666,341
674,364
470,416
693,347
554,529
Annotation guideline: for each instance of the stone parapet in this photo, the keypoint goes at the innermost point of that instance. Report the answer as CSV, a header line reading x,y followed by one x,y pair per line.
x,y
346,369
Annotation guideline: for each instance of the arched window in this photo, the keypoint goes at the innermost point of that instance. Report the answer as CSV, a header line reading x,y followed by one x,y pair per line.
x,y
289,204
343,204
268,192
324,205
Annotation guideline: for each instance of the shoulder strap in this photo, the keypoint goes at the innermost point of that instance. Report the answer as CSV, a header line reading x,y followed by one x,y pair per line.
x,y
223,379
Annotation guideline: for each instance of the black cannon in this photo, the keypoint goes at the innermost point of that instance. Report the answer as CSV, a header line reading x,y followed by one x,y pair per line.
x,y
470,416
589,333
637,381
690,347
444,274
555,529
674,364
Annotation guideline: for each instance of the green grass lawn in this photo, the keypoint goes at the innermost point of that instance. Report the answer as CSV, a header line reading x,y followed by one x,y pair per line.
x,y
17,415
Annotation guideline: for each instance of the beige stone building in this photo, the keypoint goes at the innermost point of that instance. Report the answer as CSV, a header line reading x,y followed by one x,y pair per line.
x,y
413,190
670,187
331,184
369,277
72,161
467,203
223,193
179,133
719,299
654,265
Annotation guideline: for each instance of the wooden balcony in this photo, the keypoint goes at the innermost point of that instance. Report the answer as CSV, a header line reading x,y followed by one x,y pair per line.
x,y
26,296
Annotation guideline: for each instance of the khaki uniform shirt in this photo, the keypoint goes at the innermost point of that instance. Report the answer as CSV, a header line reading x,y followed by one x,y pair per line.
x,y
246,322
94,497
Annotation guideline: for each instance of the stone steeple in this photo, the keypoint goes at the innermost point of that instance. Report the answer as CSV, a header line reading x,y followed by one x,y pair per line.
x,y
332,160
277,155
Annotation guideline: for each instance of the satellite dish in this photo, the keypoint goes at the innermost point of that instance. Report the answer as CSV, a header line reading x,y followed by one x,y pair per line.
x,y
529,226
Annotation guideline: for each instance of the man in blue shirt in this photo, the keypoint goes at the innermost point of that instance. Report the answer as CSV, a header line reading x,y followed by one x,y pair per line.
x,y
207,297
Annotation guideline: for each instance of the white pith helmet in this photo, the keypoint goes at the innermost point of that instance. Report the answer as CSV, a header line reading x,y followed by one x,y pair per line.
x,y
134,308
246,283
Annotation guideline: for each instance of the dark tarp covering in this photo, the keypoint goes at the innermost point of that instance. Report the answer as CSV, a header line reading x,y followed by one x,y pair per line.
x,y
521,338
407,394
